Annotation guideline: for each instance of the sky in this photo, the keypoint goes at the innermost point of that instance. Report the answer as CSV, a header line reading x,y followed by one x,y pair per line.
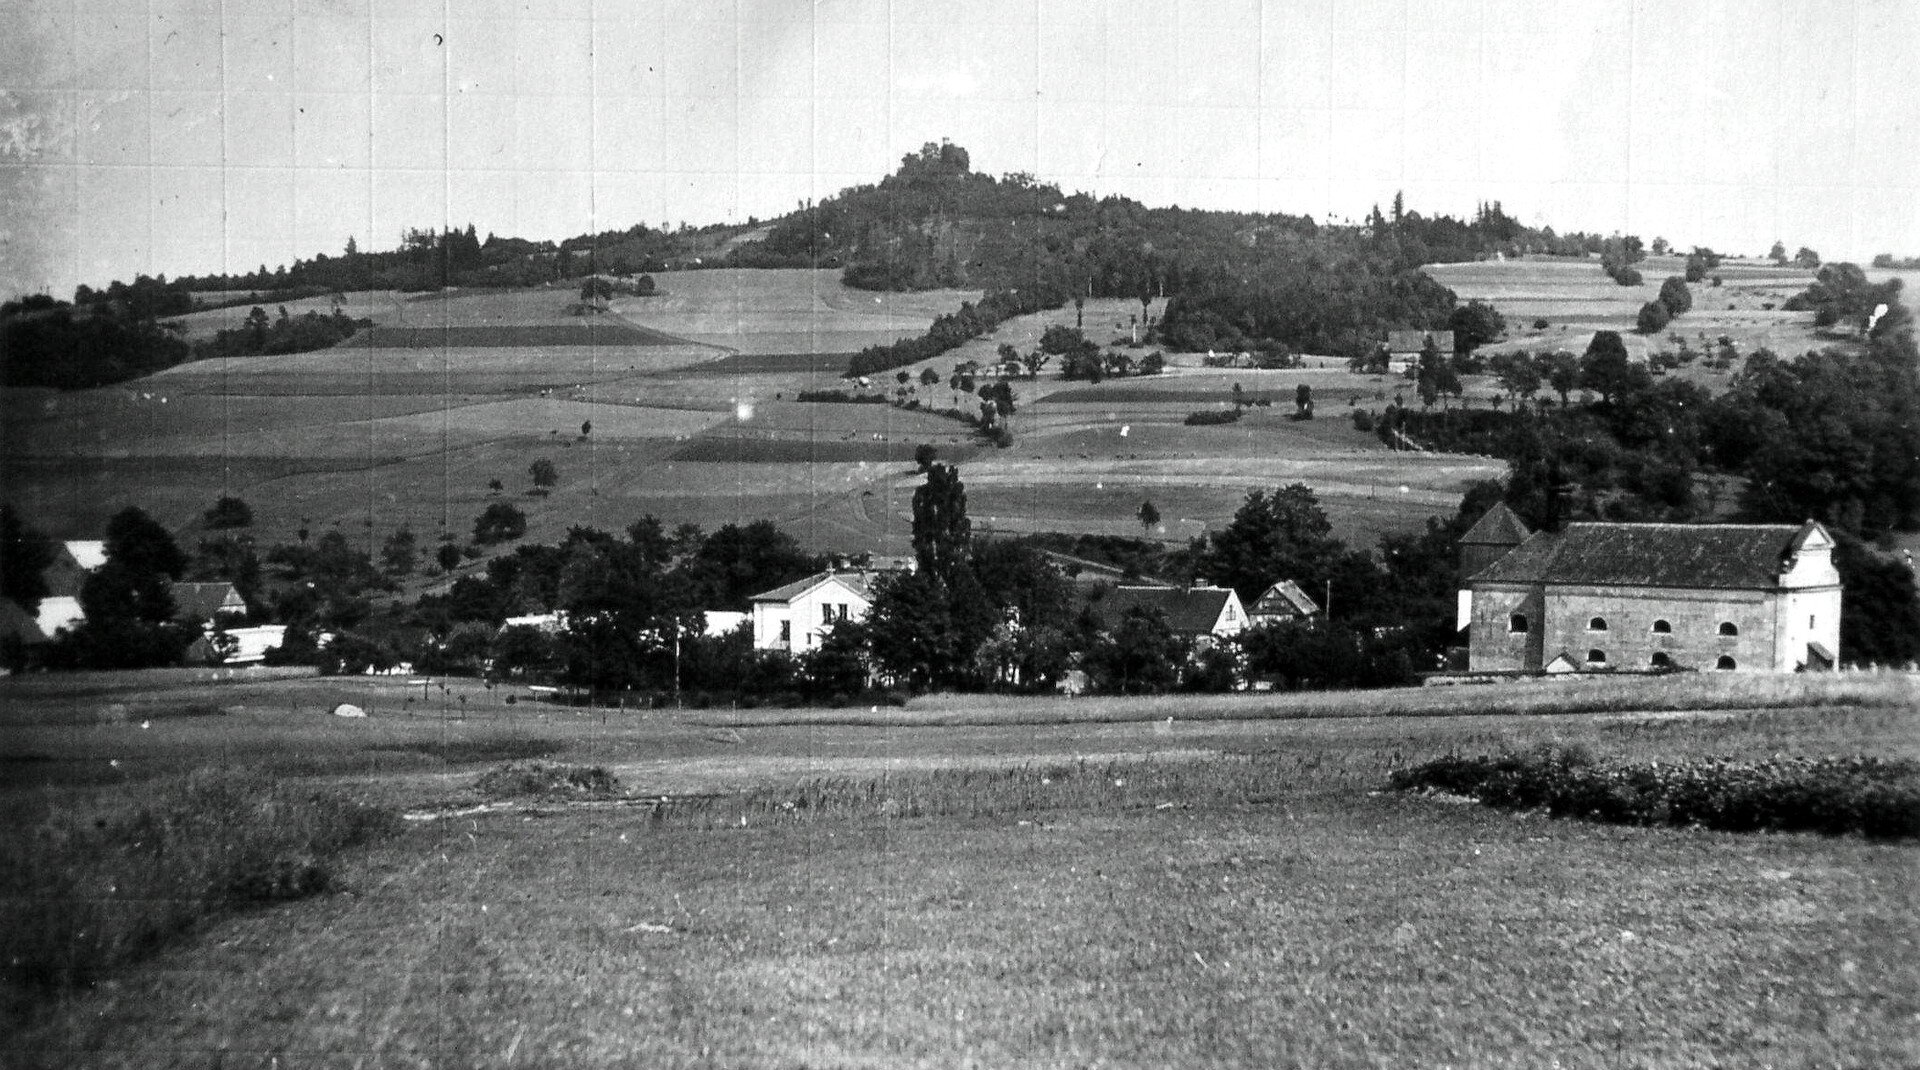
x,y
188,136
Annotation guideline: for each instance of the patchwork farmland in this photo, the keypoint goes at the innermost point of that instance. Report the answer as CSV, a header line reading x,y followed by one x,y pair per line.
x,y
682,405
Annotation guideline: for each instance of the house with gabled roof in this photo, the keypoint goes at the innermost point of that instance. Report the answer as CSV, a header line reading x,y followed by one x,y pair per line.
x,y
1404,347
795,617
1193,613
73,560
1649,597
1283,603
205,604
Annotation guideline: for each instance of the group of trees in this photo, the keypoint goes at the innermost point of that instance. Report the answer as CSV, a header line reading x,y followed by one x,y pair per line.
x,y
50,343
1674,300
955,328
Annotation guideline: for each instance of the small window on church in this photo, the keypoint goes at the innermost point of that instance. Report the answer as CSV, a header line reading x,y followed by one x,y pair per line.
x,y
1596,657
1728,627
1597,624
1661,660
1517,624
1661,627
1725,664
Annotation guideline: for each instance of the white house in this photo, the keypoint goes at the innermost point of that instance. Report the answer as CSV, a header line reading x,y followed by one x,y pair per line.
x,y
797,616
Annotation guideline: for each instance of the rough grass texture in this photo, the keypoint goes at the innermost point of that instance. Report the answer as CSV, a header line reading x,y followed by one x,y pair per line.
x,y
548,780
84,890
1875,797
1696,692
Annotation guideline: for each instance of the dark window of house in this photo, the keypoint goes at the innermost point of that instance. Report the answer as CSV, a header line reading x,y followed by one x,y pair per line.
x,y
1661,660
1725,663
1661,627
1597,624
1728,627
1517,624
786,631
1596,657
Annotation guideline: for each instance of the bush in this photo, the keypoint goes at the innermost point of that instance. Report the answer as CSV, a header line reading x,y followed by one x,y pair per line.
x,y
1654,317
1875,797
83,892
547,780
1363,419
228,512
1541,324
1627,276
1212,416
500,522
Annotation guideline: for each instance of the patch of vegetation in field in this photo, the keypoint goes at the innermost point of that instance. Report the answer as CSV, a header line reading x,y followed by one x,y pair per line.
x,y
1877,798
548,780
84,890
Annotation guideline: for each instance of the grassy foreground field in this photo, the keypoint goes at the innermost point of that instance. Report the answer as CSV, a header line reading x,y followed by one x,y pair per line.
x,y
951,888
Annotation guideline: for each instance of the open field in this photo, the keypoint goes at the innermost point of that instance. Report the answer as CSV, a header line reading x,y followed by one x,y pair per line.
x,y
370,437
1029,890
1577,298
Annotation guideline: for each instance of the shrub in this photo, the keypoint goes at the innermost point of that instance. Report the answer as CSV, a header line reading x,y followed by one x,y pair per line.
x,y
1363,419
1541,324
500,522
1654,317
547,780
83,891
1213,416
1878,798
228,512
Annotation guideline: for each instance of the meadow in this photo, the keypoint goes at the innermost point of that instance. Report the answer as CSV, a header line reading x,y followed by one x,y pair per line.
x,y
1031,882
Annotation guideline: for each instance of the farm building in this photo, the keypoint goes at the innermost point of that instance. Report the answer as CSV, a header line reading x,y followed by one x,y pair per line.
x,y
71,563
1194,613
1641,597
236,646
1404,347
1282,603
205,604
797,616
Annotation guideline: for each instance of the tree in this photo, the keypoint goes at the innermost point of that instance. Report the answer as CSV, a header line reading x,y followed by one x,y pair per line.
x,y
929,378
128,602
1659,246
495,486
1563,373
942,534
25,554
1059,339
500,522
586,428
228,512
1141,655
1606,366
1149,517
737,562
447,557
1675,296
1303,402
1653,317
1778,254
1519,374
923,456
543,472
1806,258
1282,535
400,551
1475,324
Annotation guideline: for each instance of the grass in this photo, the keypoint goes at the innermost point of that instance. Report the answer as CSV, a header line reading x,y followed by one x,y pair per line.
x,y
1690,692
1256,911
86,890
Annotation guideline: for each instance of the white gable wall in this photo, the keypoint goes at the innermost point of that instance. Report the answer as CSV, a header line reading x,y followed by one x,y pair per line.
x,y
806,616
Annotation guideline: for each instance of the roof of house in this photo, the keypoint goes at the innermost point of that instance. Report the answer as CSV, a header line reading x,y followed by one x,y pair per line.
x,y
1284,599
860,582
17,623
200,601
1500,526
1187,610
87,553
1709,556
1414,341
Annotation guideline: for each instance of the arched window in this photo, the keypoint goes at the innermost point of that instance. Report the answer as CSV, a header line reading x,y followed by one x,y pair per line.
x,y
1661,660
1597,624
1517,624
1728,627
1661,627
1596,657
1725,664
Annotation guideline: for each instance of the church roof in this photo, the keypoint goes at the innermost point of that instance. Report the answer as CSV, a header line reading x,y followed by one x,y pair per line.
x,y
1709,556
1500,526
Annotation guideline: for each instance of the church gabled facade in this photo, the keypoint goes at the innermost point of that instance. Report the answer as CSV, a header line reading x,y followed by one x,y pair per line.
x,y
1639,597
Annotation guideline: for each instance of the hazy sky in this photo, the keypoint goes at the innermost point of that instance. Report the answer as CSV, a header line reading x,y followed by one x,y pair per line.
x,y
181,136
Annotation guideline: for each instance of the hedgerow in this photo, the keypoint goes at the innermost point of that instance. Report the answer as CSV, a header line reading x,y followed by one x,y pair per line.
x,y
1875,797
